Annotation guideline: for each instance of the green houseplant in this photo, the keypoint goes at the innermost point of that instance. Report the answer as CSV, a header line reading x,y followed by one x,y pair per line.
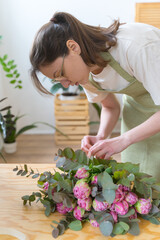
x,y
9,131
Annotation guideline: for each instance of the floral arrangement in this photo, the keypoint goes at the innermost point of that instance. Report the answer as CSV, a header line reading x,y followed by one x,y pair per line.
x,y
108,194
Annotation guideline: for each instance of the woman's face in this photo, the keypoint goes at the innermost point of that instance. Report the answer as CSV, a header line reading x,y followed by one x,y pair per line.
x,y
72,68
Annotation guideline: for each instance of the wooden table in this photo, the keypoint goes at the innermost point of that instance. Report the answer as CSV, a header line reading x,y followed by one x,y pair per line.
x,y
30,223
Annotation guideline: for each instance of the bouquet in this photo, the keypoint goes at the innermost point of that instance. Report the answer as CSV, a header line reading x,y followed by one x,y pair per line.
x,y
108,194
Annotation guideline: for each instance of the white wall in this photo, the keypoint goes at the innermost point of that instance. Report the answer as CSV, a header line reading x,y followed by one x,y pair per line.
x,y
20,20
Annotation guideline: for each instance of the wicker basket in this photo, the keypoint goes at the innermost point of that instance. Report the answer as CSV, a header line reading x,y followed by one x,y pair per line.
x,y
72,117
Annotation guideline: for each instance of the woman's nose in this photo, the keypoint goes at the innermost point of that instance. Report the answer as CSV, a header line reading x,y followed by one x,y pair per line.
x,y
65,83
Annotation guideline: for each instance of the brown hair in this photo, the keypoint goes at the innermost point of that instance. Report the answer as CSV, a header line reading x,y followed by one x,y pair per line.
x,y
50,42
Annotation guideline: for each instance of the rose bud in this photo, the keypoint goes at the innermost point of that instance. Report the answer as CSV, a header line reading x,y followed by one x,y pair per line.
x,y
131,198
78,213
81,189
85,203
99,206
94,179
94,223
63,209
143,206
121,207
82,173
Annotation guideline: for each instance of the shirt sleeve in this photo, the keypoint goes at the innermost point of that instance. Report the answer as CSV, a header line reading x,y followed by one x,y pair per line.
x,y
93,94
146,69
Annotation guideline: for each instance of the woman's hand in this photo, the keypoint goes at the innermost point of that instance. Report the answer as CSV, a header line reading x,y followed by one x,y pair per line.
x,y
106,148
88,141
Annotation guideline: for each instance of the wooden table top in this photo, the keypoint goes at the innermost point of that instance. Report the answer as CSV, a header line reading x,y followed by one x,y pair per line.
x,y
30,223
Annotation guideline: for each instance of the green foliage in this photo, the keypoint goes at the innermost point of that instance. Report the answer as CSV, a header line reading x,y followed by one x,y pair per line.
x,y
110,174
8,127
10,68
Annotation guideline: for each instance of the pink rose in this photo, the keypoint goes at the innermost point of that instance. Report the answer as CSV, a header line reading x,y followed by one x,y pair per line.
x,y
114,215
121,207
81,189
99,206
85,203
120,194
82,173
94,223
63,209
94,179
131,198
78,213
45,186
143,206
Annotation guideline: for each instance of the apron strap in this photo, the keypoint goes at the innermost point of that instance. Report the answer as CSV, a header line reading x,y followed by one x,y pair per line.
x,y
116,66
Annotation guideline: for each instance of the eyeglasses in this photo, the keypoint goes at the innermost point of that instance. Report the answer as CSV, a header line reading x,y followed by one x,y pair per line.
x,y
60,77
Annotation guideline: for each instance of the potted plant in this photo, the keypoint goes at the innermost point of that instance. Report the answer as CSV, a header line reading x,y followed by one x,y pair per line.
x,y
9,131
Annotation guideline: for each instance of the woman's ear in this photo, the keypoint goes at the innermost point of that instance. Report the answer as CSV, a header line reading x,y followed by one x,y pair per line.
x,y
73,46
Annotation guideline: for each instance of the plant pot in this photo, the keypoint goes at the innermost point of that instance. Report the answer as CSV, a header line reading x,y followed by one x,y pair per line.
x,y
10,147
69,96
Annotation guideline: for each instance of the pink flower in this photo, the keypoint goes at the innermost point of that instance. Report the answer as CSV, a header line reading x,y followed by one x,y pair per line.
x,y
94,179
131,198
94,223
78,213
63,209
114,215
121,207
120,194
85,203
82,173
99,206
143,206
45,186
81,189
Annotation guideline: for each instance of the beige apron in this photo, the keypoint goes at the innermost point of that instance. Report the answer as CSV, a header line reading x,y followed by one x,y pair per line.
x,y
138,107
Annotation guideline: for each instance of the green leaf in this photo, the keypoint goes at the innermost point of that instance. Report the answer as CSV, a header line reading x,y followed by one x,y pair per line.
x,y
131,177
124,225
106,228
23,173
13,66
9,75
24,129
13,81
109,195
75,225
26,197
81,156
48,211
19,172
130,212
32,198
134,229
25,168
55,232
57,176
5,57
118,229
35,175
68,152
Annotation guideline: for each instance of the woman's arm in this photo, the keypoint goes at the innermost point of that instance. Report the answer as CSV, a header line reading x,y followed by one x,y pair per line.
x,y
109,116
111,146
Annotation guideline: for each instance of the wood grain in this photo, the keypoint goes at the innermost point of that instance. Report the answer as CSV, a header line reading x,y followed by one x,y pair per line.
x,y
30,221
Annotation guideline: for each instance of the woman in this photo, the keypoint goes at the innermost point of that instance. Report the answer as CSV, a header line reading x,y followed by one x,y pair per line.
x,y
121,59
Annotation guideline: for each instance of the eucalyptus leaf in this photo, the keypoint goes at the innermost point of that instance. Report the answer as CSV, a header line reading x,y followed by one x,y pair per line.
x,y
109,195
134,229
55,232
106,228
75,225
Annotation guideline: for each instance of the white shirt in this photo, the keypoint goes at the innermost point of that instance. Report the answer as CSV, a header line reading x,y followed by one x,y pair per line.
x,y
138,52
